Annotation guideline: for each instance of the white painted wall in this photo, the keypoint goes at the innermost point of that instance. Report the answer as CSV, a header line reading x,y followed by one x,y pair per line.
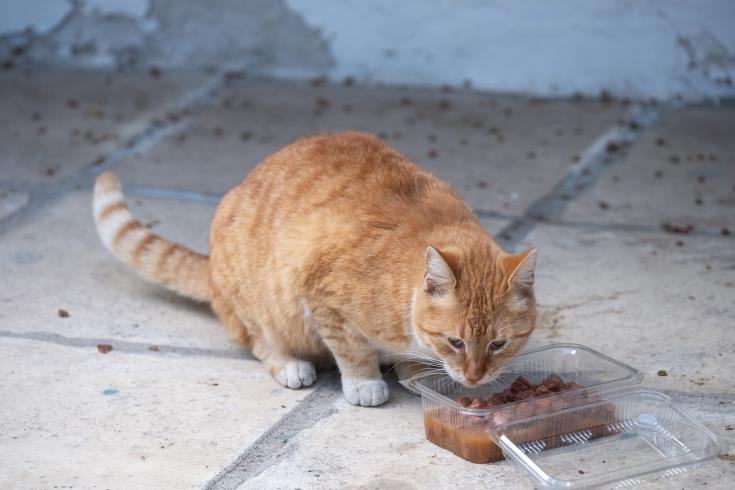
x,y
537,46
638,48
39,15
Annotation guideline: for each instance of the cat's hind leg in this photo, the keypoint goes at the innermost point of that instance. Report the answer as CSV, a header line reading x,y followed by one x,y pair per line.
x,y
359,365
287,370
226,314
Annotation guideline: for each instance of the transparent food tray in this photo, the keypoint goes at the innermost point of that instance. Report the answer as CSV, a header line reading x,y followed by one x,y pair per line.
x,y
608,431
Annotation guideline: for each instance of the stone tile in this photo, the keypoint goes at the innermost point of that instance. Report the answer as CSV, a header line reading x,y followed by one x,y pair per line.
x,y
682,171
57,261
499,152
55,122
81,419
641,299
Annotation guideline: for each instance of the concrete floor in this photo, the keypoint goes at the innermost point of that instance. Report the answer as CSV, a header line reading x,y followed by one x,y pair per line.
x,y
177,404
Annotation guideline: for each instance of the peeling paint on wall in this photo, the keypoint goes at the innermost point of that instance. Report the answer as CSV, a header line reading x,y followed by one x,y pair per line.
x,y
707,55
257,35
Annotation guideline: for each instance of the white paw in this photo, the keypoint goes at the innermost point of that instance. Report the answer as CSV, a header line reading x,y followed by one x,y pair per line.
x,y
297,374
365,392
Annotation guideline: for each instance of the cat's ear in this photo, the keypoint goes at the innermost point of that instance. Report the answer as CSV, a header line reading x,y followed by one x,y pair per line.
x,y
520,269
438,276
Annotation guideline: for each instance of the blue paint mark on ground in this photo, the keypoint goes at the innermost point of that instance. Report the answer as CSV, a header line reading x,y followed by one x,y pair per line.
x,y
110,391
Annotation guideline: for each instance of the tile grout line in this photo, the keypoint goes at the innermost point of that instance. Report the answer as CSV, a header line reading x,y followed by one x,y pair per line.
x,y
605,151
126,346
275,444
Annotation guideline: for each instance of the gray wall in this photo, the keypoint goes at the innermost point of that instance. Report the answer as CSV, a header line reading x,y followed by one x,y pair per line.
x,y
635,48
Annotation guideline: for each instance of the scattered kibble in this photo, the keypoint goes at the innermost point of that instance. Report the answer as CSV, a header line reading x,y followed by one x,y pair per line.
x,y
681,230
725,232
63,313
153,348
319,81
603,205
662,372
104,348
322,103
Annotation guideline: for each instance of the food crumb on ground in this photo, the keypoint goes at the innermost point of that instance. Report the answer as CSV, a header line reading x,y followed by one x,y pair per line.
x,y
662,372
153,347
728,457
672,228
63,313
104,348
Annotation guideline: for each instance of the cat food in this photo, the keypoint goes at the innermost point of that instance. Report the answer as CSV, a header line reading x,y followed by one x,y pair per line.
x,y
469,437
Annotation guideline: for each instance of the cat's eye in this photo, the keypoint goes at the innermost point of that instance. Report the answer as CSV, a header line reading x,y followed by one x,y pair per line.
x,y
497,344
456,343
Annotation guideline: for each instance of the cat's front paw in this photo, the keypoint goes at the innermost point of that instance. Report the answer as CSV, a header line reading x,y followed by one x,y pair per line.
x,y
365,392
296,374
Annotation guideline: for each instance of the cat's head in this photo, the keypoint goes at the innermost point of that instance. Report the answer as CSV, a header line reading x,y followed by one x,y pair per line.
x,y
475,311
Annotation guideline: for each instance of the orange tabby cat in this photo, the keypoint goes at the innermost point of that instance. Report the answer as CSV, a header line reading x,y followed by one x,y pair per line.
x,y
338,248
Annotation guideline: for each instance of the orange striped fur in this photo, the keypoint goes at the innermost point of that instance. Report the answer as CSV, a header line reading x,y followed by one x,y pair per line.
x,y
338,248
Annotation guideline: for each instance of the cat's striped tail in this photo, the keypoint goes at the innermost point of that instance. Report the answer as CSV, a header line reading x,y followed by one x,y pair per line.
x,y
156,259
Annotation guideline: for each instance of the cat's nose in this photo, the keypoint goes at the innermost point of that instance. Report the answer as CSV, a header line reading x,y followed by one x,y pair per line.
x,y
473,378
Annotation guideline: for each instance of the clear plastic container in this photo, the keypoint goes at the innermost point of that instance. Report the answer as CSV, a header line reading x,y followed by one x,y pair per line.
x,y
608,431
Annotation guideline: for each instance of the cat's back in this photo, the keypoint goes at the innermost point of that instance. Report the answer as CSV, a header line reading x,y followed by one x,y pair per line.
x,y
346,173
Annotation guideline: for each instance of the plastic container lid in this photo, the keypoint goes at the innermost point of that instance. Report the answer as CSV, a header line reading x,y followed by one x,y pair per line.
x,y
638,435
612,431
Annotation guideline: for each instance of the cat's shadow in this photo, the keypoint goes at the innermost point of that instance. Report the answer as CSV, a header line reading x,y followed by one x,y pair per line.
x,y
170,297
